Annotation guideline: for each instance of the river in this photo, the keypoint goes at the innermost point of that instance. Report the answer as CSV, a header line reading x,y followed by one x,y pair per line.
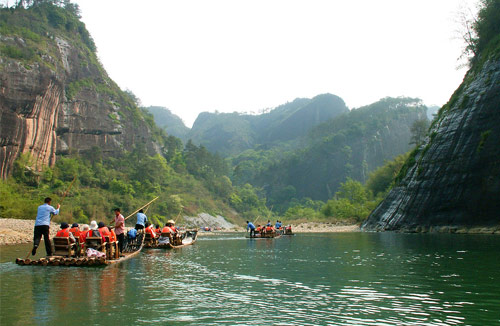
x,y
306,279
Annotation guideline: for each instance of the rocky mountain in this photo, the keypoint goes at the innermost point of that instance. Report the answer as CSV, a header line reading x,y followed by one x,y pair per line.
x,y
172,123
233,133
55,96
451,183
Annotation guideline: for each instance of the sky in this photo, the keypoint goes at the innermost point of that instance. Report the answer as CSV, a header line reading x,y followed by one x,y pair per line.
x,y
239,55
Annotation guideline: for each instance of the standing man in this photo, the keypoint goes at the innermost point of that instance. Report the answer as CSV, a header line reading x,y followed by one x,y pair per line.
x,y
42,225
141,220
252,228
120,229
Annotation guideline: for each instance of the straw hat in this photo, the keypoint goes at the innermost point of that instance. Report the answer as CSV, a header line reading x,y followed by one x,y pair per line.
x,y
93,225
171,221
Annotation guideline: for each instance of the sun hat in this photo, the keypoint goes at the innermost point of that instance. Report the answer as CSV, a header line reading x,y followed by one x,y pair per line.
x,y
171,221
85,227
93,225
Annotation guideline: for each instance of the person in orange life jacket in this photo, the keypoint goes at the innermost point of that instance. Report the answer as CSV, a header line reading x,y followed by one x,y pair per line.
x,y
172,226
94,231
104,231
158,229
83,234
149,230
112,236
64,232
167,228
258,229
75,230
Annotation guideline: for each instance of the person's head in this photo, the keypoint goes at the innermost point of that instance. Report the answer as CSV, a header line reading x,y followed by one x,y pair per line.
x,y
141,211
157,226
101,225
248,222
64,225
172,222
75,225
47,200
147,224
85,227
277,221
93,225
117,211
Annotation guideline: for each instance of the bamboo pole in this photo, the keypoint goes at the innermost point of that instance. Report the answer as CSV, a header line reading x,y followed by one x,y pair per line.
x,y
67,190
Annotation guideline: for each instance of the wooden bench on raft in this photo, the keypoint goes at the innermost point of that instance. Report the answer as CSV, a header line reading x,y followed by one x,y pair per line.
x,y
149,240
95,243
63,247
112,251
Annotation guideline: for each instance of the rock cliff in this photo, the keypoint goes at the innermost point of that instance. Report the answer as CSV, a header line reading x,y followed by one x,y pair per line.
x,y
56,98
451,183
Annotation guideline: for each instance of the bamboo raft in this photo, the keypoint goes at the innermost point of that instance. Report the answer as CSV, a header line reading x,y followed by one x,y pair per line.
x,y
133,250
268,235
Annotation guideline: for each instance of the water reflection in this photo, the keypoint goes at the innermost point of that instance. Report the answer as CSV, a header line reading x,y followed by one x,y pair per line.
x,y
324,279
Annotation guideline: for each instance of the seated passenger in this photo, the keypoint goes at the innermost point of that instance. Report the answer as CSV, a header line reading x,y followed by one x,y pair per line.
x,y
149,230
83,233
93,232
158,229
104,231
172,226
64,232
75,230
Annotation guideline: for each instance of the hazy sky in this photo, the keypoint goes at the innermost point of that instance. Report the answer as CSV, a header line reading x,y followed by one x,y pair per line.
x,y
205,55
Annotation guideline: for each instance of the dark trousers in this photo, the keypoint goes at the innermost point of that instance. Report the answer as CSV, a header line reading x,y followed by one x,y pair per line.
x,y
39,231
252,232
121,241
139,227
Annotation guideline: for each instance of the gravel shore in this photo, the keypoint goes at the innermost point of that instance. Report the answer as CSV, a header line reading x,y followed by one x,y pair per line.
x,y
14,231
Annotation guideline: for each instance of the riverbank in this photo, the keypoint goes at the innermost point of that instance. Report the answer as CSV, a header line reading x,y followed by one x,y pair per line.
x,y
15,231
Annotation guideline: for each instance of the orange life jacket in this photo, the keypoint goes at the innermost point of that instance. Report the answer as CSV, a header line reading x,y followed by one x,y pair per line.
x,y
158,231
150,230
104,233
63,233
258,229
75,231
269,229
112,235
166,229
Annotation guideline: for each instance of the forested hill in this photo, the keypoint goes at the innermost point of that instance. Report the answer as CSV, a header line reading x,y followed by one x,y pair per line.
x,y
233,133
351,145
451,182
172,124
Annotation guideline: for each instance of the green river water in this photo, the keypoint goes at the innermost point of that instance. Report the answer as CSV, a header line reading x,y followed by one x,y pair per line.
x,y
306,279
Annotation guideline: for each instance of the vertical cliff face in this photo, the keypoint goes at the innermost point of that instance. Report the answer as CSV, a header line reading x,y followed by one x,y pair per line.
x,y
58,99
452,182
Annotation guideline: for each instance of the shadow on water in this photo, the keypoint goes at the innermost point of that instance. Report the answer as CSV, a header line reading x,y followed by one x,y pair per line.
x,y
307,279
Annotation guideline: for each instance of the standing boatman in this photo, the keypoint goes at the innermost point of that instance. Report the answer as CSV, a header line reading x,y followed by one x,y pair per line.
x,y
120,229
141,220
42,225
252,228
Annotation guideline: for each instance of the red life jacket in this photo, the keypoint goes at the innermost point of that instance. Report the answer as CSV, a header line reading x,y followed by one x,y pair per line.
x,y
83,236
75,231
63,233
104,233
149,230
112,236
166,229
